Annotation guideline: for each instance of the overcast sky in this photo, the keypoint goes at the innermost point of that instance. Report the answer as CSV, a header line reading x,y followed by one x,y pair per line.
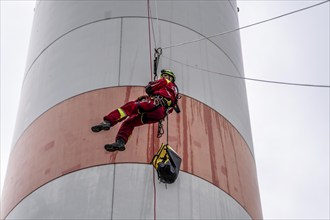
x,y
290,124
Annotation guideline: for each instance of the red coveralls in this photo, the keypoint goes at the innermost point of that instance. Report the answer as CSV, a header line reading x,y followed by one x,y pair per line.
x,y
145,110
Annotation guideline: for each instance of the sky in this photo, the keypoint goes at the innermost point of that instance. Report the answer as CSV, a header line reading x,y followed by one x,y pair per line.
x,y
290,124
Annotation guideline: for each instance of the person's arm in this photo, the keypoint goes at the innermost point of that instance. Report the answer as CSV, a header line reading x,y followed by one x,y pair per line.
x,y
155,85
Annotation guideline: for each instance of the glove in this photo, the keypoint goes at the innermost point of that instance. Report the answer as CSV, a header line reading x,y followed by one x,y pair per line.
x,y
148,89
141,98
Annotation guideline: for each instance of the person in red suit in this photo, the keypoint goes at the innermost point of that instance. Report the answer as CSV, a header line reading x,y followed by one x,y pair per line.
x,y
161,100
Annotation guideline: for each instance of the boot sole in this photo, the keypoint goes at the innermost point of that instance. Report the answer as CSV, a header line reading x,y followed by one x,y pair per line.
x,y
99,128
110,148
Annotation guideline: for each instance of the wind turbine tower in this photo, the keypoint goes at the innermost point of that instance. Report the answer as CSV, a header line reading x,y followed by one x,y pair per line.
x,y
87,58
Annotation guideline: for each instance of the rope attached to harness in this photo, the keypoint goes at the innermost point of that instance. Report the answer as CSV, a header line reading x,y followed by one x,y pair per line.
x,y
158,52
154,182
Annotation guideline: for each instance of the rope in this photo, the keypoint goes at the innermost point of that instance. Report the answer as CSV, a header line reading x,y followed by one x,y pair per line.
x,y
167,129
113,189
157,54
157,19
152,28
153,170
148,5
251,79
244,27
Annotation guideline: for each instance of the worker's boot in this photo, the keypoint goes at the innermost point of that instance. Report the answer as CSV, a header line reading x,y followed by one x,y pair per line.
x,y
104,125
118,145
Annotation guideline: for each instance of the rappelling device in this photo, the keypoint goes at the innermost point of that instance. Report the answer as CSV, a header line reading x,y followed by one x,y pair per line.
x,y
167,164
157,54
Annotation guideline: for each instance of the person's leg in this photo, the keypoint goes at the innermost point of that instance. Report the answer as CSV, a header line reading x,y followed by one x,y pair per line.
x,y
129,124
116,116
122,113
136,120
154,116
124,133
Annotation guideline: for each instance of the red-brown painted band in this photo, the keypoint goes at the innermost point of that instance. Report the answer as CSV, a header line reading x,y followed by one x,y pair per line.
x,y
60,141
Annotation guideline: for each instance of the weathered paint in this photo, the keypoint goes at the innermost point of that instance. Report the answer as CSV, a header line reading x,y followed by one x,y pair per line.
x,y
60,142
87,58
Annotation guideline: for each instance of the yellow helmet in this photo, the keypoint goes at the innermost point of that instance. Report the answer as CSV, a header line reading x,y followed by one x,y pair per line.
x,y
168,72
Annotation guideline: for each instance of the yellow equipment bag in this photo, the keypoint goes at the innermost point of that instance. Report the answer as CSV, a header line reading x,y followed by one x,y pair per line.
x,y
167,164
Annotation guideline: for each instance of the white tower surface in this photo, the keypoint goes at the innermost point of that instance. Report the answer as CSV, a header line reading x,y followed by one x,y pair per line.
x,y
87,58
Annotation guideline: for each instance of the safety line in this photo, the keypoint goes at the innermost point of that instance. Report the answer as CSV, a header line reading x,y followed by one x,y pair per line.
x,y
152,137
244,27
157,19
152,28
120,49
148,5
113,189
247,78
167,129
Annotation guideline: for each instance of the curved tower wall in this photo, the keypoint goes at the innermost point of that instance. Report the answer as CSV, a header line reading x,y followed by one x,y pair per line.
x,y
87,58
